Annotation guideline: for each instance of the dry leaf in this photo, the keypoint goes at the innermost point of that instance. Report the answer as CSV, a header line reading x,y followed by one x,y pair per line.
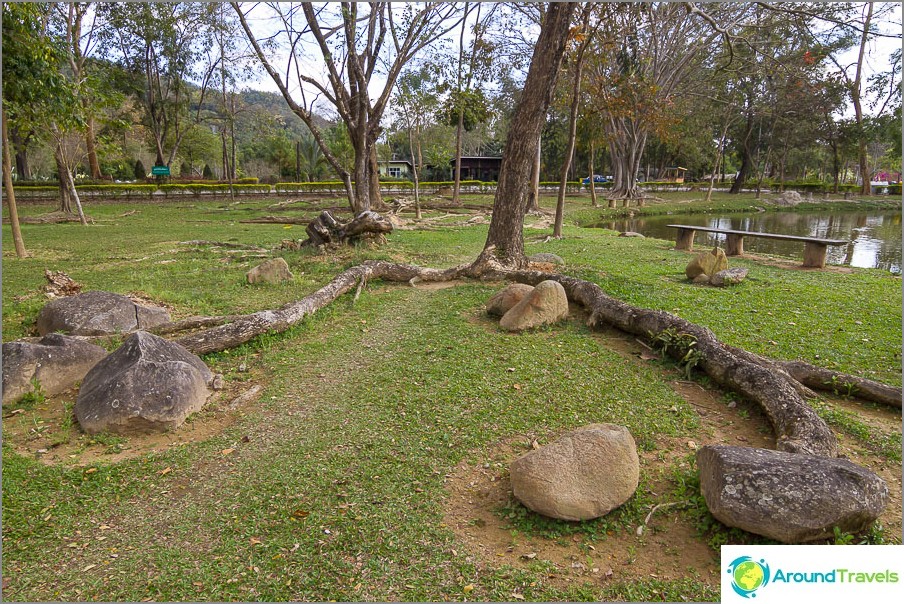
x,y
227,451
90,470
468,588
517,596
529,556
165,471
254,541
516,386
299,514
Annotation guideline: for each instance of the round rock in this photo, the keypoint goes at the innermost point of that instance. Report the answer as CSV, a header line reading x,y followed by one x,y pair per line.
x,y
584,474
98,313
504,300
544,305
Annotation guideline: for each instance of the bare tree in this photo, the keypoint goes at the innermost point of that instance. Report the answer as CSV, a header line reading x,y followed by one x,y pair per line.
x,y
353,42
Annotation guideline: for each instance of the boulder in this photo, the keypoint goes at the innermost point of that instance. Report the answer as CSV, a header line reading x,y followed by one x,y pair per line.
x,y
789,198
701,279
584,474
546,257
504,300
97,313
707,263
56,362
631,234
546,304
148,385
730,276
275,270
789,497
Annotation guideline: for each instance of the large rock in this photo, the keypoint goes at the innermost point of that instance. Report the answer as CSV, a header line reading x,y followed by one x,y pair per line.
x,y
730,276
275,270
97,313
789,497
56,362
584,474
148,385
789,198
504,300
547,258
546,304
707,263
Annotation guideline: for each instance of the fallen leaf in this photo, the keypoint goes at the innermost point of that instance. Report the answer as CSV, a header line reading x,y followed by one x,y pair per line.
x,y
16,412
468,588
517,596
165,471
89,567
90,470
516,386
691,444
227,451
246,439
254,541
510,369
534,445
529,556
648,357
299,514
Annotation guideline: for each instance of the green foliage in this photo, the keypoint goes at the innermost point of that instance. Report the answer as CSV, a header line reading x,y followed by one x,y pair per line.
x,y
140,171
473,105
207,172
681,346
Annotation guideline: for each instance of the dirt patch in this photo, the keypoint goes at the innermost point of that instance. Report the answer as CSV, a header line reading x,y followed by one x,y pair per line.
x,y
49,432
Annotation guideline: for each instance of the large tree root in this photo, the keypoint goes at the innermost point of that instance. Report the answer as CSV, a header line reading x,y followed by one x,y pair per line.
x,y
772,384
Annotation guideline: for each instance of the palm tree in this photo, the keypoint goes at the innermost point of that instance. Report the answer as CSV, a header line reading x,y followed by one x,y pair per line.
x,y
311,158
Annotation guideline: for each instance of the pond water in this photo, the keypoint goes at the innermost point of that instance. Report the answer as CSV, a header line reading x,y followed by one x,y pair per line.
x,y
874,237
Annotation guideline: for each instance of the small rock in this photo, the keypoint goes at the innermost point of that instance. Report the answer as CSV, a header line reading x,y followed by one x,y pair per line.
x,y
707,263
584,474
546,257
789,497
275,270
218,382
545,305
731,276
631,234
701,279
504,300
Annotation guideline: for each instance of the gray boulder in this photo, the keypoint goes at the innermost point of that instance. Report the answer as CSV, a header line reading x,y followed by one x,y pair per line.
x,y
730,276
545,305
504,300
584,474
97,313
631,234
546,257
148,385
275,270
789,497
56,362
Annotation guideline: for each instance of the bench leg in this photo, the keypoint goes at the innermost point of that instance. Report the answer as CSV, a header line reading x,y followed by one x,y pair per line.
x,y
685,240
734,245
814,255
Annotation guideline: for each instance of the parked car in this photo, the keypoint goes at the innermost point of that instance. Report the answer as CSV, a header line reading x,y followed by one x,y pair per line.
x,y
596,179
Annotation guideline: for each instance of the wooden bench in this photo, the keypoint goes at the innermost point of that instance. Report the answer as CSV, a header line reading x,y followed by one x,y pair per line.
x,y
814,249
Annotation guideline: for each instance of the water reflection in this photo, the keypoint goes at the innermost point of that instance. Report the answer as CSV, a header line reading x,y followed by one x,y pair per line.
x,y
875,238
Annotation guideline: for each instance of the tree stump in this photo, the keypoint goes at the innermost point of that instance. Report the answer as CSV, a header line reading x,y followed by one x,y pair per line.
x,y
327,229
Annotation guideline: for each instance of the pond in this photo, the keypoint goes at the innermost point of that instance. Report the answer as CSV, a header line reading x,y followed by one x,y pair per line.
x,y
875,237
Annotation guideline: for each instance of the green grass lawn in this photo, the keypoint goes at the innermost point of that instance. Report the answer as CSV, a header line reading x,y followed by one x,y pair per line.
x,y
335,484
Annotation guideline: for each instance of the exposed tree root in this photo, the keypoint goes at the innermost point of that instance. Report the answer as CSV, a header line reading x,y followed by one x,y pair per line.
x,y
237,246
780,388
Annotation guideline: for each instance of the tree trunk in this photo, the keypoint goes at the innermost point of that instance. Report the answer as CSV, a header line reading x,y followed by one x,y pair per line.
x,y
62,173
535,179
11,193
627,140
593,198
505,239
20,144
414,175
327,229
865,188
572,132
375,197
746,154
91,146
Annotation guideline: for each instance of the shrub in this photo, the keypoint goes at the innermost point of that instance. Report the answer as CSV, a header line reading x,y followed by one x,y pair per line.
x,y
140,171
207,173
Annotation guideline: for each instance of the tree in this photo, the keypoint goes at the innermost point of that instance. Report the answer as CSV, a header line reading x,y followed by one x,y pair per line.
x,y
643,55
355,41
505,241
171,46
583,39
140,171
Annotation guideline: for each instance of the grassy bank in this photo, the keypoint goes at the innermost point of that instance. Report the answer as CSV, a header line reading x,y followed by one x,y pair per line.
x,y
373,465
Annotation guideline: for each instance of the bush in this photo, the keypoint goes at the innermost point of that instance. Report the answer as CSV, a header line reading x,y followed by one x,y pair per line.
x,y
140,171
207,173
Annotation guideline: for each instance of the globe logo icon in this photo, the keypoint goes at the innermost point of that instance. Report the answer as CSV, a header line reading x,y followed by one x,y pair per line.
x,y
748,575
